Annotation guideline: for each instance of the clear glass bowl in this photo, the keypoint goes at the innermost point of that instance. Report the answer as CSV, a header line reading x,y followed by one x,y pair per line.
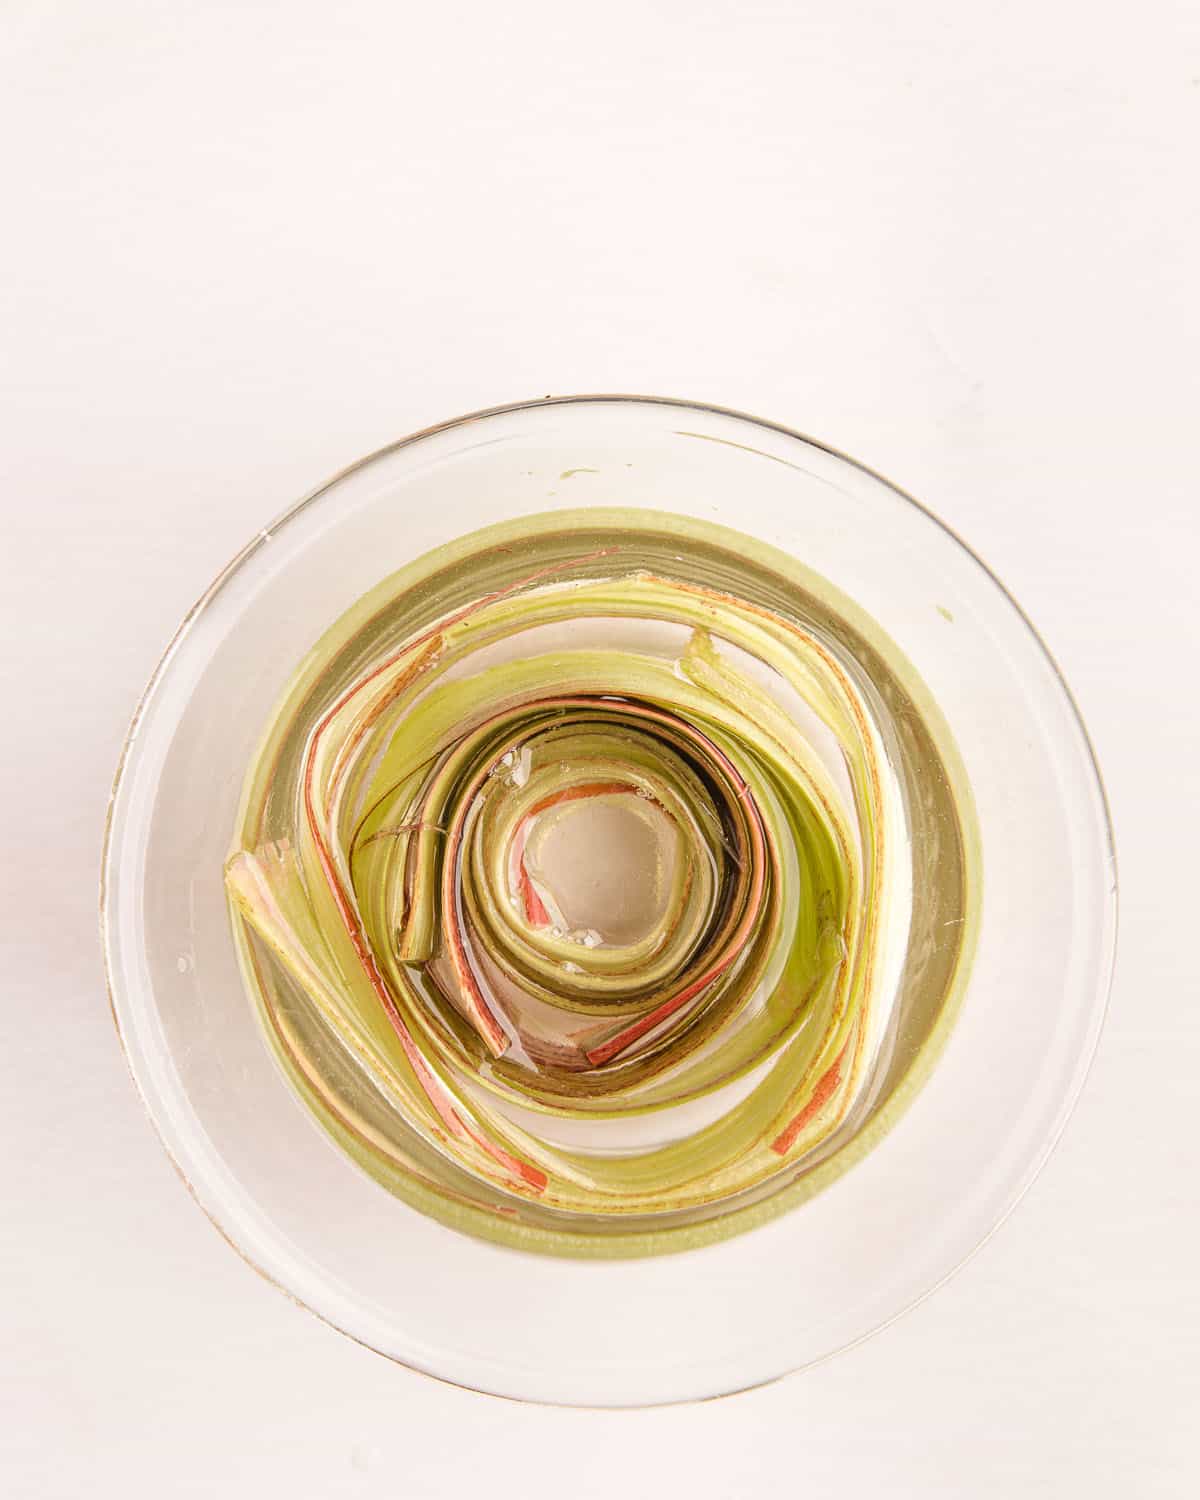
x,y
615,1332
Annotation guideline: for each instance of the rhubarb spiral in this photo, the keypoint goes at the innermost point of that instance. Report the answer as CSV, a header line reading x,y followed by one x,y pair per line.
x,y
577,880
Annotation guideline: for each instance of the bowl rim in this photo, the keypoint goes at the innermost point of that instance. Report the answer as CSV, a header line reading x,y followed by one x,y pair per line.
x,y
291,513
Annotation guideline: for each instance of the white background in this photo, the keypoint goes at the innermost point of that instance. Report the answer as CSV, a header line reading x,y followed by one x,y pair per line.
x,y
248,242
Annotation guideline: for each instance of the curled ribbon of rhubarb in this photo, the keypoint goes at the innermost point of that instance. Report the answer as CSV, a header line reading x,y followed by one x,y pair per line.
x,y
577,877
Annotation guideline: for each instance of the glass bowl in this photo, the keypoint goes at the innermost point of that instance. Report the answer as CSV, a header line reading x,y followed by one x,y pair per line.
x,y
947,1161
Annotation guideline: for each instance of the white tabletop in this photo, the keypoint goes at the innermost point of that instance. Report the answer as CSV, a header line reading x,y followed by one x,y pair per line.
x,y
249,242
